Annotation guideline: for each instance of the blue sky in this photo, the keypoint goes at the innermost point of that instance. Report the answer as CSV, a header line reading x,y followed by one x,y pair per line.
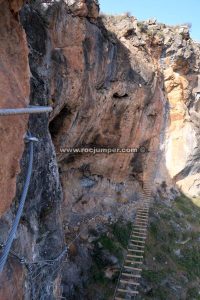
x,y
166,11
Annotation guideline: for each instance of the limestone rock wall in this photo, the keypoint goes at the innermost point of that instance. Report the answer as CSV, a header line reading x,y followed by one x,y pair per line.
x,y
113,82
14,92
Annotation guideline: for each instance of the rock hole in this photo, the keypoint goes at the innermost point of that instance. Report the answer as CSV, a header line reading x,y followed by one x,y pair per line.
x,y
57,123
118,96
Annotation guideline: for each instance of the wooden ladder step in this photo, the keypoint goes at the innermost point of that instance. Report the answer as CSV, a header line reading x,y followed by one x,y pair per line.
x,y
131,275
133,262
127,291
138,236
136,246
135,250
135,256
140,224
140,221
131,268
141,234
142,227
141,231
135,241
129,282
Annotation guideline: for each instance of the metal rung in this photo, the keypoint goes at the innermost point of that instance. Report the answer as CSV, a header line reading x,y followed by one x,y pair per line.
x,y
133,262
142,215
127,291
139,237
131,268
133,250
137,221
135,256
146,208
26,110
138,246
136,230
131,275
142,226
141,222
129,282
142,234
138,215
135,241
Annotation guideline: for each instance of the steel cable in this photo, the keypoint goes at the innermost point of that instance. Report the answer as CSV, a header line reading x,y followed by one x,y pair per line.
x,y
6,249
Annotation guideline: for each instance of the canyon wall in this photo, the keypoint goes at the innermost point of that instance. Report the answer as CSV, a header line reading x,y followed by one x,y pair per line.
x,y
14,92
177,59
113,82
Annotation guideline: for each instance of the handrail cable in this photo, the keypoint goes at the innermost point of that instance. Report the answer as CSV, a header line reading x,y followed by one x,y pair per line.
x,y
11,236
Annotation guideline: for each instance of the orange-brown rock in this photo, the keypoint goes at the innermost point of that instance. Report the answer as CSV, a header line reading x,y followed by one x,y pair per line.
x,y
14,92
12,281
113,82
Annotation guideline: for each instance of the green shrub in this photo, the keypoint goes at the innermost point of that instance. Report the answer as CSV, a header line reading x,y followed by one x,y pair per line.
x,y
122,233
190,261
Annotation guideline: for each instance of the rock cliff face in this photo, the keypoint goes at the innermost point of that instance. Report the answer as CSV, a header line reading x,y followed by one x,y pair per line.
x,y
14,92
177,59
113,82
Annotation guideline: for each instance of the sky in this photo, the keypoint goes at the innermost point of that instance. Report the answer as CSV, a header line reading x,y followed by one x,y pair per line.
x,y
170,12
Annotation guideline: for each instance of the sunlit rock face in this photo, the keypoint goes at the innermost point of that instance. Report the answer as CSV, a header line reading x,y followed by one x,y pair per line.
x,y
113,82
14,92
105,94
182,135
177,59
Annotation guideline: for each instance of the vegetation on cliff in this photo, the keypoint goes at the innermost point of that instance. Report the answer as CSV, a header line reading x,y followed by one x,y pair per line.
x,y
172,259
